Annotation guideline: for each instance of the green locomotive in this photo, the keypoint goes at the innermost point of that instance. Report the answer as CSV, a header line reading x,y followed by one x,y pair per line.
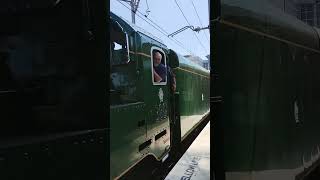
x,y
54,123
53,115
144,128
267,62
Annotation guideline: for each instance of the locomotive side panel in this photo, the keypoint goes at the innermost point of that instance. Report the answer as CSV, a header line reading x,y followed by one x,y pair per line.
x,y
274,123
127,120
140,113
46,74
156,96
143,102
52,90
193,84
238,66
268,79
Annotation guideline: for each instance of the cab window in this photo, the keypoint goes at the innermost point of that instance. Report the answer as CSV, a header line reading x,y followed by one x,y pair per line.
x,y
119,45
159,66
123,77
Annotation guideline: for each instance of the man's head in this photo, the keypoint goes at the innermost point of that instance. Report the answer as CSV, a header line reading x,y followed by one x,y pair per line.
x,y
157,59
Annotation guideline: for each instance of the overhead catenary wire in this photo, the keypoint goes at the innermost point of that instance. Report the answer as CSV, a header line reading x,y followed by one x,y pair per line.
x,y
162,31
174,40
147,11
165,32
190,25
199,19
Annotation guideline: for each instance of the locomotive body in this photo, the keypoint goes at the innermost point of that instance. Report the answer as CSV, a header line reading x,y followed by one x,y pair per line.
x,y
266,61
54,124
193,84
141,109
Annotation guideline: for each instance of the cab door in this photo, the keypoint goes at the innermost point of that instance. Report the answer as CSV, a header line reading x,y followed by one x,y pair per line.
x,y
157,101
127,120
175,125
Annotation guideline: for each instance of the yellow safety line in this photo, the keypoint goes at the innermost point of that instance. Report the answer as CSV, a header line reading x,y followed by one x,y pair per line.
x,y
265,34
140,53
192,72
143,54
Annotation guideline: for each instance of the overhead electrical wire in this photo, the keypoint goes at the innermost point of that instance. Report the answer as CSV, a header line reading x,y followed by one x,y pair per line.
x,y
190,25
162,31
199,19
147,11
166,33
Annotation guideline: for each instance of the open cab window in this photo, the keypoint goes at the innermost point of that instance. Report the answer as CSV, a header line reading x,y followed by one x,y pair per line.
x,y
158,66
123,78
119,45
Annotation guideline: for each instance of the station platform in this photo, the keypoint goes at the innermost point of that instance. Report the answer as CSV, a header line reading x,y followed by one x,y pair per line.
x,y
195,162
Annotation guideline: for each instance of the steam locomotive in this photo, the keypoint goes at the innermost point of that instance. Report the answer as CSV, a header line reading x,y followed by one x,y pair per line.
x,y
54,118
266,122
148,119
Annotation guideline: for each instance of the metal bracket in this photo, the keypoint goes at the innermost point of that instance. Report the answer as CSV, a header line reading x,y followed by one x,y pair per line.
x,y
216,19
197,29
180,30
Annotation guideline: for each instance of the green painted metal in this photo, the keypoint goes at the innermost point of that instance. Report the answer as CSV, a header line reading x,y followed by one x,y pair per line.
x,y
262,16
264,70
141,110
193,84
54,123
71,155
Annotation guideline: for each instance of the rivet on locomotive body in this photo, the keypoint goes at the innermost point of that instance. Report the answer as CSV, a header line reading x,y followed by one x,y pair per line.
x,y
26,155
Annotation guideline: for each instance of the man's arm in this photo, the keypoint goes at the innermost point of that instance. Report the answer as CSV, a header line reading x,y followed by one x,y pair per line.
x,y
163,73
174,85
172,76
156,76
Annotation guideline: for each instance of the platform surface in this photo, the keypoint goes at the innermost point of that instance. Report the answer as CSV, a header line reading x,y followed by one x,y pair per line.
x,y
195,163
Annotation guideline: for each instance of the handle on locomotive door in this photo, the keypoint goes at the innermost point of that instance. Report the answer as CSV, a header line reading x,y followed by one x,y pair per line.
x,y
176,135
176,108
216,99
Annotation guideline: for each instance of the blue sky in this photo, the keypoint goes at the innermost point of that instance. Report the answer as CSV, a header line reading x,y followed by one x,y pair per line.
x,y
166,14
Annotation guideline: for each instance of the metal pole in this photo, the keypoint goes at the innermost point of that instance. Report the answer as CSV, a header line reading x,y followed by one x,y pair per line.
x,y
132,3
209,11
315,14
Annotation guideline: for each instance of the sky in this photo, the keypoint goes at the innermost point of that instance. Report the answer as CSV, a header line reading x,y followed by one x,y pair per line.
x,y
167,15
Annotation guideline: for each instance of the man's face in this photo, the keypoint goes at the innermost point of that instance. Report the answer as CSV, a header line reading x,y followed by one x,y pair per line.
x,y
157,59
